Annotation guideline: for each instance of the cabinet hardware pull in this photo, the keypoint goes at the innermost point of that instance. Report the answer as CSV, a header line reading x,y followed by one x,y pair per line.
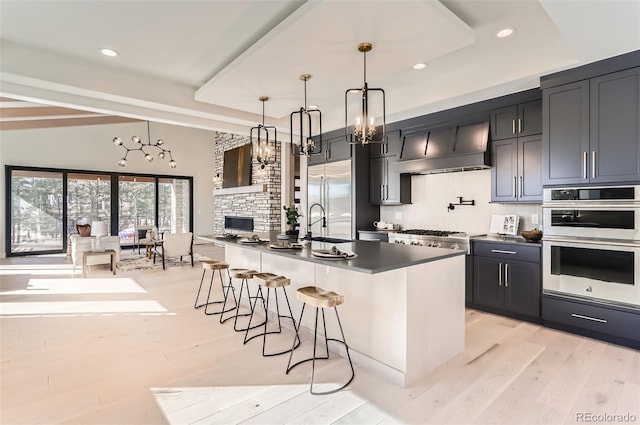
x,y
386,191
513,126
506,275
594,319
500,274
500,251
382,192
515,183
593,164
521,188
584,164
519,125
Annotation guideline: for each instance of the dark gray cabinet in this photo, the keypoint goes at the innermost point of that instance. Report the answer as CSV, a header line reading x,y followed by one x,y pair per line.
x,y
516,175
517,120
507,278
334,149
386,185
392,147
592,130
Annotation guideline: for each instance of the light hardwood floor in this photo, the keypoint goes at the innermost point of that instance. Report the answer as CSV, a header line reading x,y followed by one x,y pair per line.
x,y
130,349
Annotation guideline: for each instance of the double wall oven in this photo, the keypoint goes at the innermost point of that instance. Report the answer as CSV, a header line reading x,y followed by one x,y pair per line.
x,y
591,245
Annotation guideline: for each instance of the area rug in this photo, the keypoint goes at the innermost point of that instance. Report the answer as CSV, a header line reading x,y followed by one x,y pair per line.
x,y
129,262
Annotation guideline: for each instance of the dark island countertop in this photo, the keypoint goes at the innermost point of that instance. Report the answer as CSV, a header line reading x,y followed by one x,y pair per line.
x,y
373,257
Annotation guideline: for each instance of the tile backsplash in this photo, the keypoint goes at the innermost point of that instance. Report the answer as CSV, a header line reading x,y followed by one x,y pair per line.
x,y
431,194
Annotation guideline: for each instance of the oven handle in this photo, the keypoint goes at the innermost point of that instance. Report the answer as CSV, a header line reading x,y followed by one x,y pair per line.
x,y
593,319
588,241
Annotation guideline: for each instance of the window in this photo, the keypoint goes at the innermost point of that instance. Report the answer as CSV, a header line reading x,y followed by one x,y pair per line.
x,y
46,204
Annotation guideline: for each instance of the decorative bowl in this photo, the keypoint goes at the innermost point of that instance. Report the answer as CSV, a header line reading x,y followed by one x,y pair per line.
x,y
531,235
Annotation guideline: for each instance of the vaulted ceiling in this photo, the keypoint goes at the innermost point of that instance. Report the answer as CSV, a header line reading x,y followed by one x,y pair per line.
x,y
205,63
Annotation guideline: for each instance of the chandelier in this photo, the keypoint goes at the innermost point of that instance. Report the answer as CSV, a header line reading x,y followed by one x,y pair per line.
x,y
265,153
364,124
144,148
305,145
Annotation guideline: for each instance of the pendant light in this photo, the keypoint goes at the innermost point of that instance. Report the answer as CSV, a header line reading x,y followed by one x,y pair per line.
x,y
305,145
363,122
141,146
265,153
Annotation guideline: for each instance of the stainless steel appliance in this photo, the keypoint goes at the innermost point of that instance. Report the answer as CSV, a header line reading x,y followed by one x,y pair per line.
x,y
591,243
330,186
432,238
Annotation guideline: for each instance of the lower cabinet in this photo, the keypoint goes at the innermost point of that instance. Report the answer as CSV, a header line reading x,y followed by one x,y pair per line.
x,y
505,280
616,324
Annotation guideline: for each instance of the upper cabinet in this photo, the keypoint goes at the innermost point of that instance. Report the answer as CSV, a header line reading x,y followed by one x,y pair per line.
x,y
334,149
591,130
386,185
516,121
516,175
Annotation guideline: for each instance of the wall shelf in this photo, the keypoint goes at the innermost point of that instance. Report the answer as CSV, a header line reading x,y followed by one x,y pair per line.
x,y
254,188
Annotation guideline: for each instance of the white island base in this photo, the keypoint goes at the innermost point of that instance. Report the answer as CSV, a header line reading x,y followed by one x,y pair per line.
x,y
399,324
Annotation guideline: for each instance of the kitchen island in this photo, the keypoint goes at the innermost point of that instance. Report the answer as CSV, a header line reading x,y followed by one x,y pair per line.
x,y
403,313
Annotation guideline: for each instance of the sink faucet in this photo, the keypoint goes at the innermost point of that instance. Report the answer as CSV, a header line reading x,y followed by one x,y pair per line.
x,y
323,218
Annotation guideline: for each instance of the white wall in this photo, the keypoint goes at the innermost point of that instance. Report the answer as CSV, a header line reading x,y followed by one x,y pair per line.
x,y
431,194
90,148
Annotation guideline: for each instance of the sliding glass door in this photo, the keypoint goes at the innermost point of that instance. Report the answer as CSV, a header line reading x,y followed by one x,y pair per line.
x,y
137,205
174,205
88,199
36,211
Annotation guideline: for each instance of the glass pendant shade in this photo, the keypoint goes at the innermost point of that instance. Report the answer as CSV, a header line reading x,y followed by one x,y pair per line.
x,y
361,106
143,148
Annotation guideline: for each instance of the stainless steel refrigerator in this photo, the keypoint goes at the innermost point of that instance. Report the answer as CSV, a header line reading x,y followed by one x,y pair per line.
x,y
330,186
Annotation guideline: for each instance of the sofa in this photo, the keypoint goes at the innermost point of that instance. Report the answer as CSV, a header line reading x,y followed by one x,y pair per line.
x,y
80,244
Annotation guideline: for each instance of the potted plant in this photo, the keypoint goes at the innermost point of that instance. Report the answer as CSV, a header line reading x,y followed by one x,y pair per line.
x,y
292,220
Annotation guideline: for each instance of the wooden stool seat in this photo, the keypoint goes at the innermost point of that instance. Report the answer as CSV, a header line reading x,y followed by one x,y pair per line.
x,y
214,265
318,297
270,280
243,274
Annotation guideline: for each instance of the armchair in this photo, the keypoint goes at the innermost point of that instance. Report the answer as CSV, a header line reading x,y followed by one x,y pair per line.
x,y
80,244
176,245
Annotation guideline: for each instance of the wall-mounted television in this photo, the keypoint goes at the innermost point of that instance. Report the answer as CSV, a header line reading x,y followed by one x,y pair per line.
x,y
237,167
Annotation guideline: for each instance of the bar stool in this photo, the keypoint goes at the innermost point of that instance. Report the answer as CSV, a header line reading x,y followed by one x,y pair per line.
x,y
320,299
214,266
244,275
270,281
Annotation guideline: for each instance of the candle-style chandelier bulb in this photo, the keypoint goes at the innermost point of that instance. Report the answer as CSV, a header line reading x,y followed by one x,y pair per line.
x,y
364,123
265,155
305,117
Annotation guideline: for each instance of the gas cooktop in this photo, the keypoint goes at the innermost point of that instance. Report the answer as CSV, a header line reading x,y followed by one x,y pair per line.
x,y
428,232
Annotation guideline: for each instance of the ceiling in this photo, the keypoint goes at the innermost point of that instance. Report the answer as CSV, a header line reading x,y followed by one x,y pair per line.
x,y
205,63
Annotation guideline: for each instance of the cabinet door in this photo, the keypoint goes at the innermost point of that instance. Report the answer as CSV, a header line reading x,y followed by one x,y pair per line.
x,y
487,282
392,147
503,123
338,149
530,168
529,118
504,171
522,287
376,180
615,127
565,126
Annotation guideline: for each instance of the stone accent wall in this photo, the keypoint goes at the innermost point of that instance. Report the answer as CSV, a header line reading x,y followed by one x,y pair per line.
x,y
264,207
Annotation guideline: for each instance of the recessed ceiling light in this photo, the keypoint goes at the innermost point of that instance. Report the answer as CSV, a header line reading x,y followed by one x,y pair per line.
x,y
108,52
420,66
506,32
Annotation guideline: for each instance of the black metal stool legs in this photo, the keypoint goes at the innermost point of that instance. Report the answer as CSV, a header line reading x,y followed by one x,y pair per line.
x,y
315,357
245,284
264,333
225,291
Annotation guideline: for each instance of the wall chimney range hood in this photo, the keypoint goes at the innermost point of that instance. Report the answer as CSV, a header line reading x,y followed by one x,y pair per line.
x,y
445,149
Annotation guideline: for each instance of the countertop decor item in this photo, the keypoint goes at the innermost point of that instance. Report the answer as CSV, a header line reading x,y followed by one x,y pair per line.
x,y
531,235
364,126
308,118
265,152
158,144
